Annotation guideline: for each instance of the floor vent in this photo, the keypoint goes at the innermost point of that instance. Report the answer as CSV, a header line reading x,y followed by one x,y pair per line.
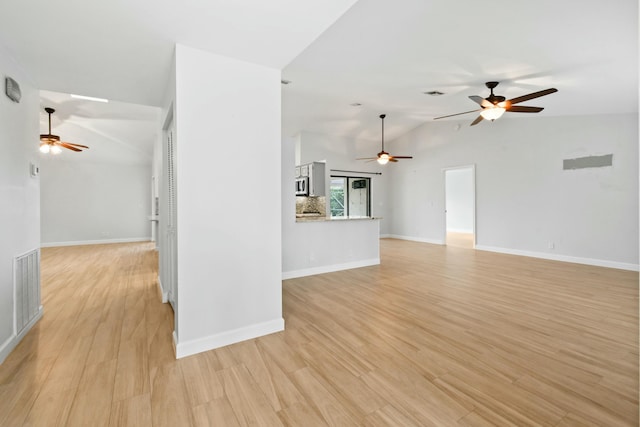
x,y
27,286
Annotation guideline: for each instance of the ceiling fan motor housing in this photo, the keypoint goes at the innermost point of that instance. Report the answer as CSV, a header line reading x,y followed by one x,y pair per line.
x,y
494,99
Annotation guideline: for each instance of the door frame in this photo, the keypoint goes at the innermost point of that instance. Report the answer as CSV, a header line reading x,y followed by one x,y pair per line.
x,y
471,166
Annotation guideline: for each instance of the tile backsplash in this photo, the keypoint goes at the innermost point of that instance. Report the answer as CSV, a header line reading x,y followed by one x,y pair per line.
x,y
311,204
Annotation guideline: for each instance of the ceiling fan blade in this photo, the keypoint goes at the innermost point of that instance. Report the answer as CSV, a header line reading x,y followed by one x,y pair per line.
x,y
402,157
75,145
391,159
65,145
524,109
480,100
457,114
476,121
532,95
367,158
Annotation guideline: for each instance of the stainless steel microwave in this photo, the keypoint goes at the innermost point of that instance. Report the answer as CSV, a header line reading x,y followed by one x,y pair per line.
x,y
302,186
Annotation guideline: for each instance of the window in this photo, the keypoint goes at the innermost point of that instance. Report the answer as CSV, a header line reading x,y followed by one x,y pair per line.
x,y
338,199
350,197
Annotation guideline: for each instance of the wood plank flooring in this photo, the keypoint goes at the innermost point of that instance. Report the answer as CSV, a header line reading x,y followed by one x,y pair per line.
x,y
460,240
434,336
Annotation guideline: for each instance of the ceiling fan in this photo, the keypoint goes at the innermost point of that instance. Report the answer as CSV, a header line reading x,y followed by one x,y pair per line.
x,y
494,105
51,143
383,157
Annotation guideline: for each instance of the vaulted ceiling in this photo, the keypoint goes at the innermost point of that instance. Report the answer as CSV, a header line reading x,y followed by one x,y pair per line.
x,y
385,55
380,54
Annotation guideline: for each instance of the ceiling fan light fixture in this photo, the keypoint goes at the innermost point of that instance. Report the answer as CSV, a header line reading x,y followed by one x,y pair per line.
x,y
493,106
383,159
492,113
50,143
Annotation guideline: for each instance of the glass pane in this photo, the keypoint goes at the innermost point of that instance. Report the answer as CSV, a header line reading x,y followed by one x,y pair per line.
x,y
358,197
338,197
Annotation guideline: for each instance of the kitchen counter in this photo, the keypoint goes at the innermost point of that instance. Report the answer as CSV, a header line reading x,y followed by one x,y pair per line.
x,y
337,219
320,245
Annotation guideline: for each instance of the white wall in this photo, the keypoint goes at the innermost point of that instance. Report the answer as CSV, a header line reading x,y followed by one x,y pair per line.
x,y
318,247
85,202
459,200
228,198
156,176
524,198
19,192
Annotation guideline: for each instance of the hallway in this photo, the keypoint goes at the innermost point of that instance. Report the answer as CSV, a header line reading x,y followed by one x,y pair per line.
x,y
99,345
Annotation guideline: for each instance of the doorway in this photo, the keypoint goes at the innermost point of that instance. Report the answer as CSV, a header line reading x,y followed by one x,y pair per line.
x,y
460,206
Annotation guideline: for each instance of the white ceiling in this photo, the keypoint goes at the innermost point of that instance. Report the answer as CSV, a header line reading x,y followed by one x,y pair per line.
x,y
378,53
384,55
115,132
122,50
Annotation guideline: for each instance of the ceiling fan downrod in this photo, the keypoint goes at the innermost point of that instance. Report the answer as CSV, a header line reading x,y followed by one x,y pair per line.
x,y
382,116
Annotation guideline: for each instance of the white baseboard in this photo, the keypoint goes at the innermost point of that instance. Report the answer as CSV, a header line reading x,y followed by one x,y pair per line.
x,y
188,348
175,343
564,258
416,239
329,268
165,295
11,342
95,242
6,347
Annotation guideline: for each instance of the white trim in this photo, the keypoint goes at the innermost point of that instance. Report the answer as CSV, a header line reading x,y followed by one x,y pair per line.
x,y
165,295
175,343
329,268
96,242
417,239
563,258
14,339
6,347
385,236
474,226
188,348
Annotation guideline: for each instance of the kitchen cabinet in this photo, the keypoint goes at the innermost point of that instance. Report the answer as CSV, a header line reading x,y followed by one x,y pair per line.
x,y
315,172
316,179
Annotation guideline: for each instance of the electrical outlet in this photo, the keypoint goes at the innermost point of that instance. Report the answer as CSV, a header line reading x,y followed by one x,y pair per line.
x,y
551,245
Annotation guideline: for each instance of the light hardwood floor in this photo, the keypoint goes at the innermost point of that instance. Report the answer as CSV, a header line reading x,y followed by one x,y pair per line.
x,y
434,336
460,240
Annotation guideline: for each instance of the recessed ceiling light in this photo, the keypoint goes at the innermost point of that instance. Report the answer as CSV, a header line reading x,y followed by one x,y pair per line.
x,y
285,82
356,104
434,93
89,98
